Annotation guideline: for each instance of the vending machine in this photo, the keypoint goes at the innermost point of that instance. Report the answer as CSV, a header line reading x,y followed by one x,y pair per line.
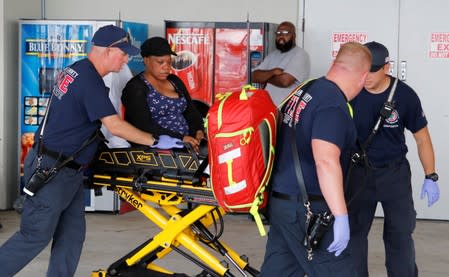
x,y
45,48
216,57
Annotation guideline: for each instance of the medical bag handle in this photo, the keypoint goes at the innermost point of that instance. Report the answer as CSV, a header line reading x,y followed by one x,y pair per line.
x,y
243,93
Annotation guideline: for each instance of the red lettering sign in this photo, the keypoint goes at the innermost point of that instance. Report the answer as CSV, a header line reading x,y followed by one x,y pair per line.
x,y
64,84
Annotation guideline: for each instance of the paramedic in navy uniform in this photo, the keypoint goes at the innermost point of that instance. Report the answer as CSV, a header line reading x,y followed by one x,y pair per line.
x,y
385,177
79,105
325,135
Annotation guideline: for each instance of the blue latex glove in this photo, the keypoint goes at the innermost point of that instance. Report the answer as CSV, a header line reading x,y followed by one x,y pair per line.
x,y
341,235
167,142
431,189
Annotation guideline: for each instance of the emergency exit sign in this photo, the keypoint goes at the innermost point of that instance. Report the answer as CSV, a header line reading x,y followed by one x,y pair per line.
x,y
439,46
339,38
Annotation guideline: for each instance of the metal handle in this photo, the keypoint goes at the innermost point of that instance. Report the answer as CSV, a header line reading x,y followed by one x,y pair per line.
x,y
392,70
403,71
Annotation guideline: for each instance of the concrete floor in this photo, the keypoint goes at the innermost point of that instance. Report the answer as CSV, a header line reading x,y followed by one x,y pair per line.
x,y
110,236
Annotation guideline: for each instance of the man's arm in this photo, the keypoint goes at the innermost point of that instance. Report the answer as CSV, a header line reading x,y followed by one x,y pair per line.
x,y
123,129
296,69
283,80
330,175
263,76
425,150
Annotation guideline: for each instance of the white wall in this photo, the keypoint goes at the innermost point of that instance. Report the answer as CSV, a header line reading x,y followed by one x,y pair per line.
x,y
10,11
2,89
155,12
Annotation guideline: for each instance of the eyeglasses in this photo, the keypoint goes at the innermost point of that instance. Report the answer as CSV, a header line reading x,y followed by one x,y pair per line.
x,y
282,33
123,39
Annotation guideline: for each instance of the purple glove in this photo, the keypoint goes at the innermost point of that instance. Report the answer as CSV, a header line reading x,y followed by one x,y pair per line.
x,y
341,235
431,189
167,142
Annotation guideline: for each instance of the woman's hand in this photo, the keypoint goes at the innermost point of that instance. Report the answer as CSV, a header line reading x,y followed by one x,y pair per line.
x,y
200,135
193,142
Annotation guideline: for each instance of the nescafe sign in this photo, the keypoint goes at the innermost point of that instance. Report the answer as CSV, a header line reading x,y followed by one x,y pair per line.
x,y
188,39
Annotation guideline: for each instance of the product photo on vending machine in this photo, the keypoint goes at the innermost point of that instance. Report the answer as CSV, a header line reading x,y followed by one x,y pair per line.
x,y
217,57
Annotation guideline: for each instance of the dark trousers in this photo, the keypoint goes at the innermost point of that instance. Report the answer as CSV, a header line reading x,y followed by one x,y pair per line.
x,y
55,212
286,256
391,186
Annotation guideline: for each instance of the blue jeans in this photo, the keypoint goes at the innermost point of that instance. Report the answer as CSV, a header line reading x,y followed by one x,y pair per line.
x,y
391,186
286,256
55,212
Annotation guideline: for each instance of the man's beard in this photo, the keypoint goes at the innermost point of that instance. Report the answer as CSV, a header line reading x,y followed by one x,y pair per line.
x,y
284,47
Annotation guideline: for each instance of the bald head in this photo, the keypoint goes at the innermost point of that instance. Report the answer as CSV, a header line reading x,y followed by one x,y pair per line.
x,y
287,25
354,57
350,68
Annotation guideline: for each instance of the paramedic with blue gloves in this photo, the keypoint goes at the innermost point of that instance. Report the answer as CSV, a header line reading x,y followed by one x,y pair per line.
x,y
325,135
383,174
167,142
79,105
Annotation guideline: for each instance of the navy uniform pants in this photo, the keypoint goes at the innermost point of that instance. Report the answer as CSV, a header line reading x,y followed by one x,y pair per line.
x,y
285,254
391,186
55,212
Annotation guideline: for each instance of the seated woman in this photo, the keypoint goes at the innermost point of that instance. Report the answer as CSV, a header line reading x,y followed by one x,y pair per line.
x,y
157,101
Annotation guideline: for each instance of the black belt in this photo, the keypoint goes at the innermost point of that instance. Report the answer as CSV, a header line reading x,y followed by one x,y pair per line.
x,y
297,197
390,164
55,155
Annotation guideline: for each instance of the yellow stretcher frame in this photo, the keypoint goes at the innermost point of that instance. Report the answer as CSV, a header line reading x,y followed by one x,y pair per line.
x,y
178,228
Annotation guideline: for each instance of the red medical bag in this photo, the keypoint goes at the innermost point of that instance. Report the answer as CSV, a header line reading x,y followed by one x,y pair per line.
x,y
241,130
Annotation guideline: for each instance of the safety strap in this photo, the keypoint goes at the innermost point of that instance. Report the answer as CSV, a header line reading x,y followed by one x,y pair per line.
x,y
300,177
384,113
40,145
296,161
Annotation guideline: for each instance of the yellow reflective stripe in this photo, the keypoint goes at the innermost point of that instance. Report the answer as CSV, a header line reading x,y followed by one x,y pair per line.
x,y
206,121
249,130
254,211
246,139
230,181
222,98
351,112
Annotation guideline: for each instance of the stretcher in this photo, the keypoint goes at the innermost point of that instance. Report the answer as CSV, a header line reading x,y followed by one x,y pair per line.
x,y
168,178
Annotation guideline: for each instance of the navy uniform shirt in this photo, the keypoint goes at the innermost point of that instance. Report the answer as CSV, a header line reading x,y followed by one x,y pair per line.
x,y
389,142
80,99
324,115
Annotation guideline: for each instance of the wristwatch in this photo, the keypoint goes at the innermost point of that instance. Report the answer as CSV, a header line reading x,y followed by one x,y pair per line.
x,y
432,176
